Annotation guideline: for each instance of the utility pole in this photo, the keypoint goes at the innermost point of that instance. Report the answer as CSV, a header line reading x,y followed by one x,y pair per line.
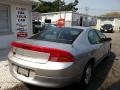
x,y
64,13
86,10
60,8
86,18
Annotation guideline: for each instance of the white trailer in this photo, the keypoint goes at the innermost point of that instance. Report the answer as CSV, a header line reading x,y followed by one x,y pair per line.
x,y
71,18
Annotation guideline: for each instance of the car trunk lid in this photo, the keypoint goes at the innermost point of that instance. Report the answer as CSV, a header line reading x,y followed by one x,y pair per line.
x,y
41,52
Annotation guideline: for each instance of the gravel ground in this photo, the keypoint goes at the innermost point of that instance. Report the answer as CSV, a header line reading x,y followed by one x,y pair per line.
x,y
7,82
112,81
106,75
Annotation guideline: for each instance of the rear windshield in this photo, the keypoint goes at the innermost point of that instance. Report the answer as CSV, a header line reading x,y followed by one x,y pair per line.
x,y
60,35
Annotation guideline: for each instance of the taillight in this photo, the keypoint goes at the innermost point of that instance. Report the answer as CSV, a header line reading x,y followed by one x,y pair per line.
x,y
61,56
56,55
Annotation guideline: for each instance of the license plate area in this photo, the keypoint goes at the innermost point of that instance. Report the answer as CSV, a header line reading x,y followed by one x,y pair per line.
x,y
23,71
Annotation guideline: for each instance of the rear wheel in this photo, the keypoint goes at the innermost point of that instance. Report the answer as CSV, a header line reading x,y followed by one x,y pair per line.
x,y
88,74
86,77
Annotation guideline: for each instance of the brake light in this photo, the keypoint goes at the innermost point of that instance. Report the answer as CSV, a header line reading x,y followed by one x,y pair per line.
x,y
61,56
56,55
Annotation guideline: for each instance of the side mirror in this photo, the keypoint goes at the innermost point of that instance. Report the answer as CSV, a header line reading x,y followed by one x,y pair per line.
x,y
105,39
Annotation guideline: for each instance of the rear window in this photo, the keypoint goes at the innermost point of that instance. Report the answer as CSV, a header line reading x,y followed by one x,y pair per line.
x,y
60,35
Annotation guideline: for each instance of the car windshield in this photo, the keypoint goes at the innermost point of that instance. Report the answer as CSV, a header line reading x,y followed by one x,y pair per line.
x,y
60,35
107,25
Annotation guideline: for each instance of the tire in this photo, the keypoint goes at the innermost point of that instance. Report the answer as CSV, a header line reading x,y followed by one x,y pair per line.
x,y
87,74
109,52
111,31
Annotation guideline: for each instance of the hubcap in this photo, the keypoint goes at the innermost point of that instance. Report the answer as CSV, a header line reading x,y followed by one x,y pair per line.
x,y
88,74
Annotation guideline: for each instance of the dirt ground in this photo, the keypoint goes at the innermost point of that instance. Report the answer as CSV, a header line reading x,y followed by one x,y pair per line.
x,y
107,73
112,81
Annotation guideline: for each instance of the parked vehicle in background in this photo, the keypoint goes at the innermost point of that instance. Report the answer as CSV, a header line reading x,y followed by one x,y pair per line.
x,y
59,56
37,26
48,26
107,28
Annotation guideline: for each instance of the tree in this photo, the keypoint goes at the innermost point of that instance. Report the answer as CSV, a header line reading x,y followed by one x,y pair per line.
x,y
112,14
56,5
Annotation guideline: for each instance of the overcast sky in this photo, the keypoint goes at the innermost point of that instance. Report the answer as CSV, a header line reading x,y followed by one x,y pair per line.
x,y
96,7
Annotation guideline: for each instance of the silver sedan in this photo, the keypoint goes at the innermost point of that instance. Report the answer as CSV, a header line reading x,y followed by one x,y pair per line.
x,y
59,56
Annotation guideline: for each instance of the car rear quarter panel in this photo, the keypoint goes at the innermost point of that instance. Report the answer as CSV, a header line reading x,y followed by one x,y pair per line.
x,y
83,51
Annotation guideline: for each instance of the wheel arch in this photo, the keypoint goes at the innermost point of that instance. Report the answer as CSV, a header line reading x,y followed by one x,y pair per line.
x,y
92,61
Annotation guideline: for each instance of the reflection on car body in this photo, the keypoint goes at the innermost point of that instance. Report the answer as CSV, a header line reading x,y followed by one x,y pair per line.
x,y
59,56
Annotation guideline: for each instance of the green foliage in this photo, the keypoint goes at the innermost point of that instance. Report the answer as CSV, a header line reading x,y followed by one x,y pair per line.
x,y
112,14
55,6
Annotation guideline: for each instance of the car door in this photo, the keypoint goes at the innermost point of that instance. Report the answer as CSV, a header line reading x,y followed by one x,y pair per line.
x,y
97,46
106,44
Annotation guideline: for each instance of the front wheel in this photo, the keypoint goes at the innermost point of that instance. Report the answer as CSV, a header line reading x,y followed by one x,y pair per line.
x,y
109,52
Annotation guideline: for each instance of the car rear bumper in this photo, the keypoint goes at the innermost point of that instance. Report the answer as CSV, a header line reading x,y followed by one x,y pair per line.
x,y
43,81
45,78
